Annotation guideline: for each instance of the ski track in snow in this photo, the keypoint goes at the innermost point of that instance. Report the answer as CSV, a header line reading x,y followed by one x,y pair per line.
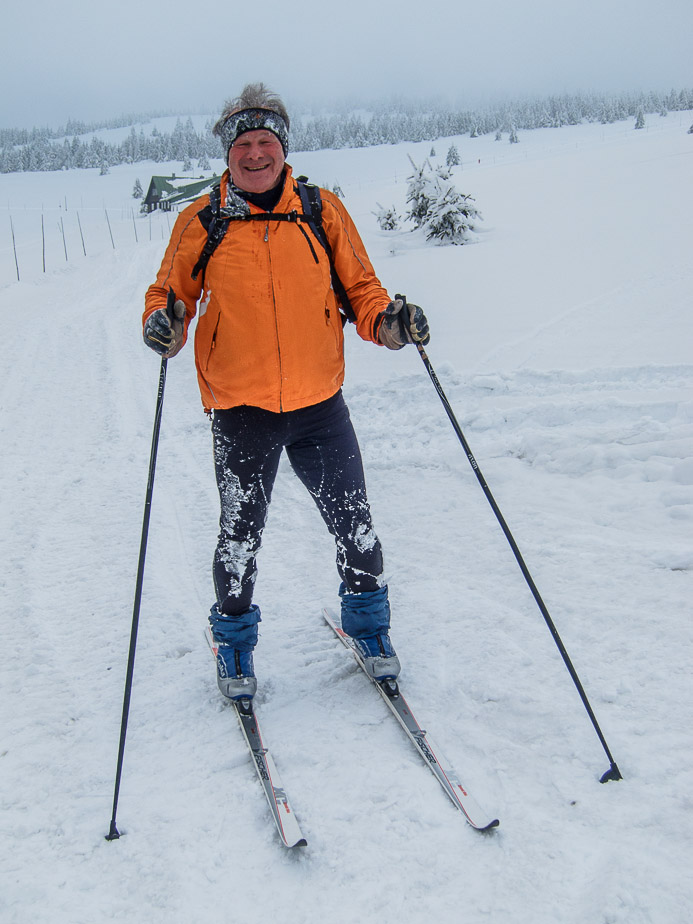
x,y
590,463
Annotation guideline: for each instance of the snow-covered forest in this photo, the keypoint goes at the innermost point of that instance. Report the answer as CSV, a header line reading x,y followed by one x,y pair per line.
x,y
66,148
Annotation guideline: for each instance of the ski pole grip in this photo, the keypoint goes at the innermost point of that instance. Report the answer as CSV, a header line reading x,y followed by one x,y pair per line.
x,y
170,302
403,318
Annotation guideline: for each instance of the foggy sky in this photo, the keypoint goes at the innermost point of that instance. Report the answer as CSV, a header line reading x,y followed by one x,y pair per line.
x,y
79,60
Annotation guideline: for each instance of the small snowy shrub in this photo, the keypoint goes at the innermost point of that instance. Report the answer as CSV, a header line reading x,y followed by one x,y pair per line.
x,y
388,219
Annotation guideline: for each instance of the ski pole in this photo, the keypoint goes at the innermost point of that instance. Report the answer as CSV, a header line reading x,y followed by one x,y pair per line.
x,y
113,833
613,773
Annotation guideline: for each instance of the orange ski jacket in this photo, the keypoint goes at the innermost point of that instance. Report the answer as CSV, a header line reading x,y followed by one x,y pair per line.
x,y
269,332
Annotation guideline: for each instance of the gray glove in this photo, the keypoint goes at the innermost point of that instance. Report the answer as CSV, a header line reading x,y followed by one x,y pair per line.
x,y
161,335
403,323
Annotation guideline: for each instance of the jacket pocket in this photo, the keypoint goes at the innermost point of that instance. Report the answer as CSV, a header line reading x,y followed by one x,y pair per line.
x,y
333,319
206,339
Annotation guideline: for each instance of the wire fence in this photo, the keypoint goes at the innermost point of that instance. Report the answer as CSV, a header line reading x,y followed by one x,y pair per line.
x,y
42,240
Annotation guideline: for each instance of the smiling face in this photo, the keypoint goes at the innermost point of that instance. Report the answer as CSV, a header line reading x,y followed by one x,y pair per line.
x,y
256,161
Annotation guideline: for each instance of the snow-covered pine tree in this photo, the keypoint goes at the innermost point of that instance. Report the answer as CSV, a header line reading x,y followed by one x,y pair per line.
x,y
690,130
452,215
640,119
137,191
513,136
437,207
421,192
453,156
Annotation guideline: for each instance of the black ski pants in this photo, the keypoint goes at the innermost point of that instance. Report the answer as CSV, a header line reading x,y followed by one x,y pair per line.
x,y
323,451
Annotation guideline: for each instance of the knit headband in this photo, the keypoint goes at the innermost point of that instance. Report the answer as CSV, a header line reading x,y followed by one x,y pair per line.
x,y
249,120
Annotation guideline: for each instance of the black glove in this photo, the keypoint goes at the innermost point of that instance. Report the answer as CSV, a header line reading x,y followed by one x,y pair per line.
x,y
160,335
403,323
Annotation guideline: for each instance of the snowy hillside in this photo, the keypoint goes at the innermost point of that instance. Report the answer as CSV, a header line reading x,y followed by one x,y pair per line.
x,y
564,341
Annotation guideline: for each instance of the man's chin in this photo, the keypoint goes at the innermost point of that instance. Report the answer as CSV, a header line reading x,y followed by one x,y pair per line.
x,y
257,181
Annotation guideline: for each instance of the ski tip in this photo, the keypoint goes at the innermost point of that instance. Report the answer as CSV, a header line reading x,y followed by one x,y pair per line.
x,y
300,843
490,826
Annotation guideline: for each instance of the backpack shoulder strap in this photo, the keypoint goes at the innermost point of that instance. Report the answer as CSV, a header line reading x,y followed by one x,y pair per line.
x,y
311,201
216,227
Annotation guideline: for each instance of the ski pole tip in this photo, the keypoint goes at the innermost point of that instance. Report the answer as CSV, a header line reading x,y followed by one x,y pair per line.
x,y
113,834
613,773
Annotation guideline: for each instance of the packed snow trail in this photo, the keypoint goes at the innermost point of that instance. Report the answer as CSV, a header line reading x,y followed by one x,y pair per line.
x,y
590,463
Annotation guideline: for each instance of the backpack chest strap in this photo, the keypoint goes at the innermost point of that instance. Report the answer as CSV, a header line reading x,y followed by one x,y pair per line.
x,y
217,224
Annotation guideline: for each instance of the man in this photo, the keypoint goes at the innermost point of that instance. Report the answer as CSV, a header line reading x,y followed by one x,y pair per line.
x,y
270,363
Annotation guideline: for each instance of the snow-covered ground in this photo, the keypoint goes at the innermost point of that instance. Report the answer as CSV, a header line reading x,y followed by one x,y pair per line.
x,y
564,341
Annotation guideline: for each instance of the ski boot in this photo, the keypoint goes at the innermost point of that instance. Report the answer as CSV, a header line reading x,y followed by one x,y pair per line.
x,y
378,656
366,618
235,638
235,674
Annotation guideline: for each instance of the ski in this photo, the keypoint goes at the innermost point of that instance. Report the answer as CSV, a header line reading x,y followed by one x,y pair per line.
x,y
430,752
282,812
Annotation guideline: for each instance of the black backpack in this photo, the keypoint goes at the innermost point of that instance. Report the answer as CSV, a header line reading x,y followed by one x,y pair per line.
x,y
217,225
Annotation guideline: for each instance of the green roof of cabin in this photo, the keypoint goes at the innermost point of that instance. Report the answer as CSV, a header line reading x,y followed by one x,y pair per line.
x,y
177,189
190,190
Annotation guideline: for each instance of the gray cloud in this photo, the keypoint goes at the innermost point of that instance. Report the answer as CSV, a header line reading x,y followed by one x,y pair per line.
x,y
82,61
